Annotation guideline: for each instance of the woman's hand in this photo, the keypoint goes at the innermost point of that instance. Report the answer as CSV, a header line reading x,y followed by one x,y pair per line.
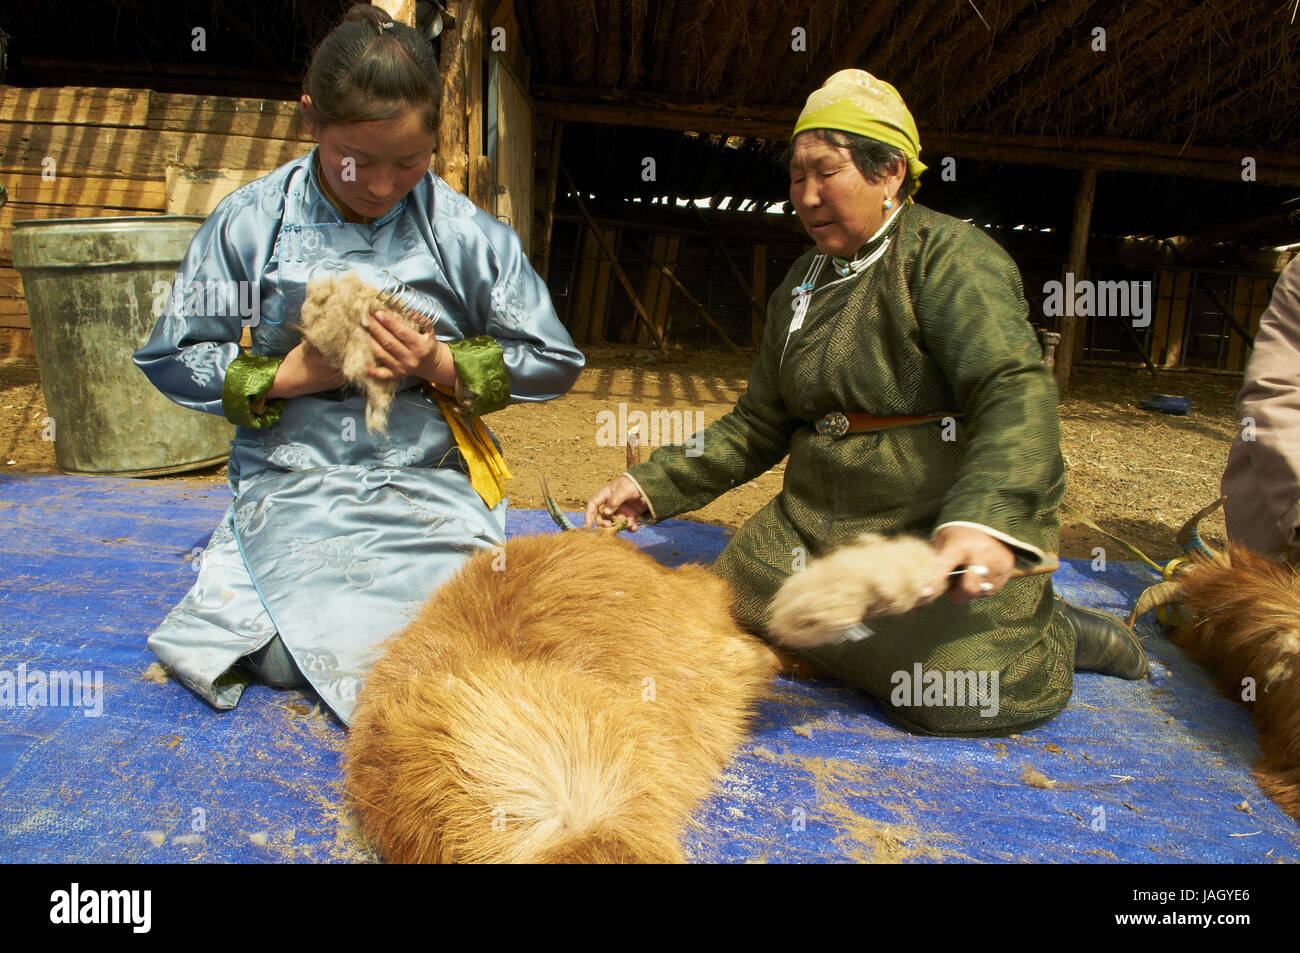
x,y
619,498
403,351
963,546
304,370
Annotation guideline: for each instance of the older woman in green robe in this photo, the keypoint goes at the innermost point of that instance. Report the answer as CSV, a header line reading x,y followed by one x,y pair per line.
x,y
898,312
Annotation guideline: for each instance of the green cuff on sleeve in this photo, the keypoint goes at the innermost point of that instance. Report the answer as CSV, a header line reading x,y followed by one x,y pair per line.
x,y
248,378
483,384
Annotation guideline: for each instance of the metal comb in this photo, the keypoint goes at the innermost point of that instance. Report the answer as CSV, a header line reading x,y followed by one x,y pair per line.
x,y
417,308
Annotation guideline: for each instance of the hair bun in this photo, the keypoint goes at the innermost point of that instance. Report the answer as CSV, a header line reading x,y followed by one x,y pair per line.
x,y
366,13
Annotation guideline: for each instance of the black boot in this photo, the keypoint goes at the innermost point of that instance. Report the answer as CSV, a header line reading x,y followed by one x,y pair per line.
x,y
1103,643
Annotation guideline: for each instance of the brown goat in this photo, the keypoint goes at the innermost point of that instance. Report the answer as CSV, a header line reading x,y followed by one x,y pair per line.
x,y
1242,614
563,699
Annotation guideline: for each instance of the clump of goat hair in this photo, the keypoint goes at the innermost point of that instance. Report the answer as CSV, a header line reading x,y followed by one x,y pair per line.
x,y
1242,619
334,319
872,576
563,699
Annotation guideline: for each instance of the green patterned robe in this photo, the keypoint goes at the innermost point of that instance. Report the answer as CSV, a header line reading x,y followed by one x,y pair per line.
x,y
937,323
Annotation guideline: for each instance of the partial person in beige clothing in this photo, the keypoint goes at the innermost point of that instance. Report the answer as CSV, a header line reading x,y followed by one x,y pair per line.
x,y
1262,478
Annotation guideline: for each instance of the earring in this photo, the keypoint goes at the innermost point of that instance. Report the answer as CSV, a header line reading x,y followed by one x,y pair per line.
x,y
889,203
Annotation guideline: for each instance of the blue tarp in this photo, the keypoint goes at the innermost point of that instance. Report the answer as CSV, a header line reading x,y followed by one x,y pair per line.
x,y
1154,771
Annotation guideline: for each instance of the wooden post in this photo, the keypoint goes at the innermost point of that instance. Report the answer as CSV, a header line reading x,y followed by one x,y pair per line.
x,y
453,159
475,100
479,165
637,306
1075,263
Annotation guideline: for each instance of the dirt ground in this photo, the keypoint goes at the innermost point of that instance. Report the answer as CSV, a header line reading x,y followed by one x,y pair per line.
x,y
1137,474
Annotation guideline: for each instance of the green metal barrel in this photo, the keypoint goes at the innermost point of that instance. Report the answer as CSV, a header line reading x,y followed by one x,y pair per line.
x,y
91,285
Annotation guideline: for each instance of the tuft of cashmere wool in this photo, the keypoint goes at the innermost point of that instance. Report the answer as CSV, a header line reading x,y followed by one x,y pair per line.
x,y
872,576
1241,616
564,699
334,319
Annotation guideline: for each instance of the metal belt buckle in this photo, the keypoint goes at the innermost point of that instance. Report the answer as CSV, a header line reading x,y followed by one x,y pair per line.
x,y
834,424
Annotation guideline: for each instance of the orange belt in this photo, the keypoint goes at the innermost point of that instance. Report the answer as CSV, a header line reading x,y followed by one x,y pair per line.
x,y
836,424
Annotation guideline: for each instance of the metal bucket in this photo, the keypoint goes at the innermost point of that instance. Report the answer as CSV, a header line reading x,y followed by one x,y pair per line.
x,y
90,288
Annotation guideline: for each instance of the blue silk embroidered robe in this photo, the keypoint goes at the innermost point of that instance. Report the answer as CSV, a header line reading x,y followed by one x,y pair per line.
x,y
336,536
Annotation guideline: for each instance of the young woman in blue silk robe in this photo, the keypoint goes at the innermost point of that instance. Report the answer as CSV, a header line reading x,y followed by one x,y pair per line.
x,y
337,535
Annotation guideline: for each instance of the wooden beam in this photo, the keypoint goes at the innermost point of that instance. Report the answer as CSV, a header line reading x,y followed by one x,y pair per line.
x,y
737,226
1075,263
551,96
774,123
637,306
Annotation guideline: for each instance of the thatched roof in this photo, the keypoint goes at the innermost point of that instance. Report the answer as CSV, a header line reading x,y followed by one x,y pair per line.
x,y
1191,87
1012,89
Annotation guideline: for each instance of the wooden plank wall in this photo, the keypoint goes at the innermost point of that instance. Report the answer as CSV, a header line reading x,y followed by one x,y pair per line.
x,y
1248,298
73,152
656,290
590,302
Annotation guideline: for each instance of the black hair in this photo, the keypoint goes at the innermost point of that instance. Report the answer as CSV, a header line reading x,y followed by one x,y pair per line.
x,y
372,67
874,159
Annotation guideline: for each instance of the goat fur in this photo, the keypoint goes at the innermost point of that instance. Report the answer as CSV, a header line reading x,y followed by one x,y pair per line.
x,y
514,719
1242,619
334,319
872,576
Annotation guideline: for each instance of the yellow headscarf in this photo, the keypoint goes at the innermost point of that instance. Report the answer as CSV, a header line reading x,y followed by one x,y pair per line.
x,y
855,101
